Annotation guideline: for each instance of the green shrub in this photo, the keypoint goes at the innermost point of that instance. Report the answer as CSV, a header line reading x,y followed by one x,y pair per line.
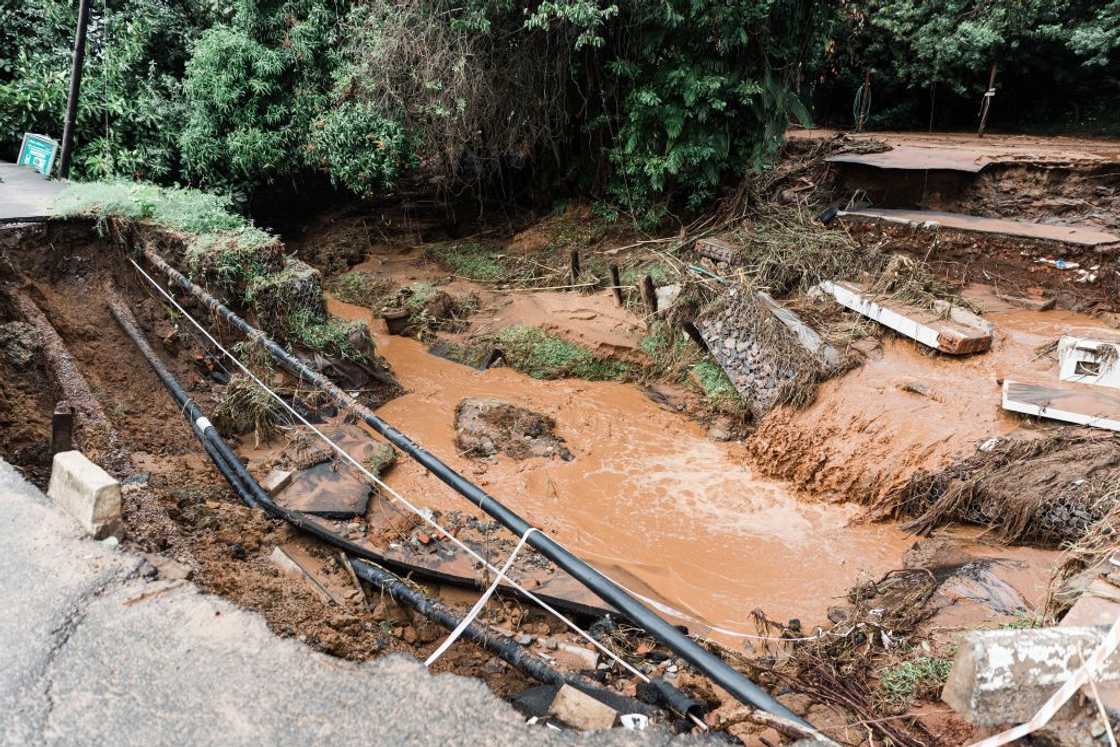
x,y
132,104
361,149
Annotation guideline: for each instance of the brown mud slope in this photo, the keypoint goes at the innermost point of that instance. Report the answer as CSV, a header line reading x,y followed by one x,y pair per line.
x,y
908,410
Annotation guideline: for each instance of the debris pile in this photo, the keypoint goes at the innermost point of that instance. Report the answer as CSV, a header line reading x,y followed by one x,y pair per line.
x,y
486,427
1046,490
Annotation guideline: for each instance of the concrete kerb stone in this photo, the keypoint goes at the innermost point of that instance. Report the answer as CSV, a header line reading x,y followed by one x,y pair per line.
x,y
1002,677
86,492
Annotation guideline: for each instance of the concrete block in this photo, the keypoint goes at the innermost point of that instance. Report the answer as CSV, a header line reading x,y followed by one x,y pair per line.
x,y
86,492
277,480
1089,361
948,328
1004,676
581,710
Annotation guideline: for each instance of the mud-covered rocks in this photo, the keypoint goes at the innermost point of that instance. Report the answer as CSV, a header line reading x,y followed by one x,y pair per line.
x,y
20,343
485,427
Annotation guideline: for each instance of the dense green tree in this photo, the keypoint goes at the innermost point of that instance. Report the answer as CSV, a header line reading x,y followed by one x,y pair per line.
x,y
131,100
929,60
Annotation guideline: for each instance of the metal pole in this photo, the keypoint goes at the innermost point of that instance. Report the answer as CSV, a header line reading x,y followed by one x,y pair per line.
x,y
986,102
75,89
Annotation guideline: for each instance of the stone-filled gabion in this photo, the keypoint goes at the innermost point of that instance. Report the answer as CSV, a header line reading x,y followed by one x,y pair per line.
x,y
756,371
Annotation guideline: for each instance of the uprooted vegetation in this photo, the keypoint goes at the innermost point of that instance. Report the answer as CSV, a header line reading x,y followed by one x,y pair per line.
x,y
1048,490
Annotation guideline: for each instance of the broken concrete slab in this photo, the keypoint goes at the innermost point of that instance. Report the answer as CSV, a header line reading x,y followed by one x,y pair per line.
x,y
1034,301
916,158
1004,676
580,710
1071,403
948,328
1084,360
324,485
808,336
86,492
1080,235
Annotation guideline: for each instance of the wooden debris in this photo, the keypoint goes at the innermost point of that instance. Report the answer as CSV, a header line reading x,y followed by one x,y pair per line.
x,y
616,284
717,249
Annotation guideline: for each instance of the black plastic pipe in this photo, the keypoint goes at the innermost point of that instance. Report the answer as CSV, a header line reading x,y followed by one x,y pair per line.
x,y
496,643
714,667
246,487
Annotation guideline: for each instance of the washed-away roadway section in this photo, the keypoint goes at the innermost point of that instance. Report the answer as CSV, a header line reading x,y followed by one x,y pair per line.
x,y
92,652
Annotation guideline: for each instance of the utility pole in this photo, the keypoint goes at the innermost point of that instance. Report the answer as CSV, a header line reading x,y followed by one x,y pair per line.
x,y
986,102
75,89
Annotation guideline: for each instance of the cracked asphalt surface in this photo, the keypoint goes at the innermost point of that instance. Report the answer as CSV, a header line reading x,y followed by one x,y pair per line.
x,y
92,651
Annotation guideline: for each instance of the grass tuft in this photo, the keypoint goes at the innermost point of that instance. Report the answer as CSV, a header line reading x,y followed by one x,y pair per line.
x,y
473,261
543,356
188,210
360,288
918,678
719,392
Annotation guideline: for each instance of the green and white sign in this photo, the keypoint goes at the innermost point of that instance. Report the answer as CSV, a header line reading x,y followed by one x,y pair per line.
x,y
38,152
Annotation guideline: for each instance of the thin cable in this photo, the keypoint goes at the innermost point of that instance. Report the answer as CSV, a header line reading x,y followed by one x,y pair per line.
x,y
482,600
390,491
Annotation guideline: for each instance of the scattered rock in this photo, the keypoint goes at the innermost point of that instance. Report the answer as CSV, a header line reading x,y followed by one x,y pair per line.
x,y
20,344
576,658
168,568
580,710
276,480
916,387
721,429
484,427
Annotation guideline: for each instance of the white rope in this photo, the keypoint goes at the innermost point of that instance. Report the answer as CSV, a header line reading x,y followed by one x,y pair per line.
x,y
482,600
1085,674
390,491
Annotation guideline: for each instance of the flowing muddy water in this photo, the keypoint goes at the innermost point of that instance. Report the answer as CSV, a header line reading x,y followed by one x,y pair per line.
x,y
648,499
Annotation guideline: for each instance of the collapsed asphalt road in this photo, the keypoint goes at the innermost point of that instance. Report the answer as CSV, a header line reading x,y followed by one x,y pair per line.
x,y
96,649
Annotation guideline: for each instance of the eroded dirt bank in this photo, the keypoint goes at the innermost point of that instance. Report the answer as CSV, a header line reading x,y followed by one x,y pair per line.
x,y
906,410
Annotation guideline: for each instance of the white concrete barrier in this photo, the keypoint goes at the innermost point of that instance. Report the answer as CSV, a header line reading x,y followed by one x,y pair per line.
x,y
86,492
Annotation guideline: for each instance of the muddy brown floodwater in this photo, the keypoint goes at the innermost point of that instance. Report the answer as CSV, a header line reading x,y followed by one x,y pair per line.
x,y
648,499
